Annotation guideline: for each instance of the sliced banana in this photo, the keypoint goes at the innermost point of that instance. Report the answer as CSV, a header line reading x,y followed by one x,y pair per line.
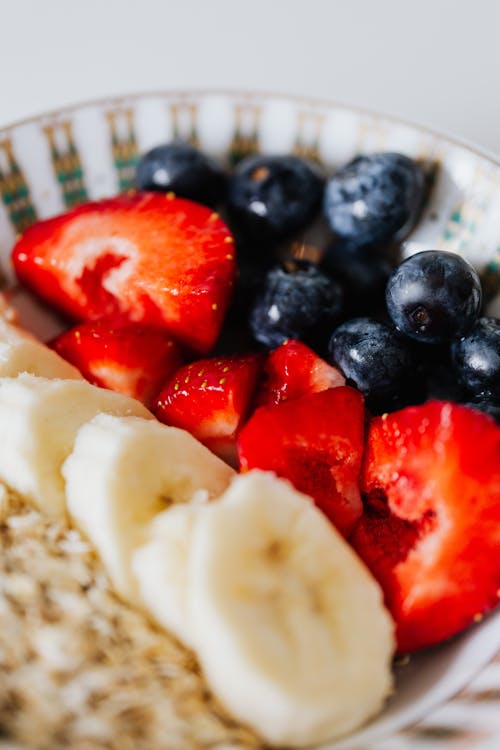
x,y
122,473
12,333
34,358
160,567
9,318
39,419
22,352
289,626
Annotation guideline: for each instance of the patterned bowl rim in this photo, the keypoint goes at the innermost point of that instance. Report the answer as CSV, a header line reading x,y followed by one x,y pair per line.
x,y
258,94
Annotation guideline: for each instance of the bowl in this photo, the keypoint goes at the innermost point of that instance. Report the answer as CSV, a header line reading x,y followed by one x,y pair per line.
x,y
58,160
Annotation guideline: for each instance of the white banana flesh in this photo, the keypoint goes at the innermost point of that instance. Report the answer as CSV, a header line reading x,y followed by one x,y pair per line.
x,y
22,352
9,319
160,567
34,358
288,624
121,474
12,333
39,420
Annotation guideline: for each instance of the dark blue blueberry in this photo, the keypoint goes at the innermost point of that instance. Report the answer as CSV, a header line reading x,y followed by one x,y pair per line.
x,y
271,197
236,335
476,359
298,301
374,198
362,273
434,296
182,169
487,407
441,383
375,360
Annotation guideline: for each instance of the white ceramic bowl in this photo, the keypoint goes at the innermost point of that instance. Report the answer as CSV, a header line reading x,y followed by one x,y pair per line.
x,y
89,151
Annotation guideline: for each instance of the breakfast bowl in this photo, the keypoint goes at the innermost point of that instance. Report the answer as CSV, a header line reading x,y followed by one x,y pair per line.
x,y
60,160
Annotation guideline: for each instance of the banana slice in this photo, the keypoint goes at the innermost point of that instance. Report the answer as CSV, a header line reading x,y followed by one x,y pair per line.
x,y
160,567
34,358
289,626
122,472
11,329
9,319
12,333
22,352
39,419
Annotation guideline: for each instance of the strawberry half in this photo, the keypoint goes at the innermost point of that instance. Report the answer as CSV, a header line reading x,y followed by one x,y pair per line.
x,y
210,399
430,532
164,262
130,358
317,443
293,370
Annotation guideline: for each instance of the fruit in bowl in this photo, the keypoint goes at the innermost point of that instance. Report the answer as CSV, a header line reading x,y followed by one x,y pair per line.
x,y
251,574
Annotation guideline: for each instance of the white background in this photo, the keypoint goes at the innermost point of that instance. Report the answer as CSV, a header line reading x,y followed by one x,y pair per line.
x,y
433,61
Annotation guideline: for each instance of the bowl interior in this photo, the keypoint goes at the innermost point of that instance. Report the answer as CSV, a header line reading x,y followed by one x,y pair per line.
x,y
59,160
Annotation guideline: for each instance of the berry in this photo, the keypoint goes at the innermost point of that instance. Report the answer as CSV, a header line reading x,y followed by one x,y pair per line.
x,y
293,370
210,399
374,198
486,407
270,197
441,383
130,358
316,442
167,263
181,169
476,359
297,301
376,360
434,296
430,528
362,273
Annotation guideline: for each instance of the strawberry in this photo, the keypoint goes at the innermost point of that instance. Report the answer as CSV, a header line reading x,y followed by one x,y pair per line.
x,y
130,358
293,370
316,442
430,532
147,257
210,399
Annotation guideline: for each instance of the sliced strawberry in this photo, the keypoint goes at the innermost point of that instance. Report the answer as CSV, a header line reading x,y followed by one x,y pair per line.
x,y
130,358
430,532
293,370
210,399
317,443
168,263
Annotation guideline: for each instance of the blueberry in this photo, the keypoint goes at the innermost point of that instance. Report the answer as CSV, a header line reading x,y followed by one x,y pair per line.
x,y
374,198
236,335
271,197
362,273
434,296
298,301
441,383
487,407
476,359
375,360
183,170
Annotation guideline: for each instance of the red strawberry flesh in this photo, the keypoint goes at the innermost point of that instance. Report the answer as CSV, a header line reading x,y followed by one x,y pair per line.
x,y
293,370
316,442
210,399
167,263
430,532
131,358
